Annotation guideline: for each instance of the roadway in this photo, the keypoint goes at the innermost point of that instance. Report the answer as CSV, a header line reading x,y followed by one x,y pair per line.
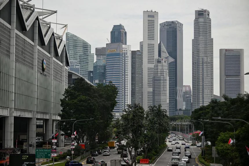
x,y
165,158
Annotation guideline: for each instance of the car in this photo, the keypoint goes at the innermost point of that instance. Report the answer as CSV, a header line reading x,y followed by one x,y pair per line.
x,y
173,143
106,153
183,143
175,153
170,140
186,147
185,159
169,149
106,148
178,146
124,154
176,142
175,160
99,151
90,160
198,144
73,163
178,150
100,163
119,150
94,153
182,163
188,154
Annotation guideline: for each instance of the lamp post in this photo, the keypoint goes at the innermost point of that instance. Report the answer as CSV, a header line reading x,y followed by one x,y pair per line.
x,y
80,120
220,118
226,123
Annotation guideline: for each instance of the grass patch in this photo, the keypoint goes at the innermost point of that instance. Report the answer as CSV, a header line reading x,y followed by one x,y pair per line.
x,y
203,161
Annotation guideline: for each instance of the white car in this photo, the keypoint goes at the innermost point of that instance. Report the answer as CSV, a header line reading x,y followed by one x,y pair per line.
x,y
198,144
173,143
185,159
106,153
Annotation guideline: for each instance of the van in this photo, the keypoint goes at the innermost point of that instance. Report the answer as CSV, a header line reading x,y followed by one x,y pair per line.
x,y
175,160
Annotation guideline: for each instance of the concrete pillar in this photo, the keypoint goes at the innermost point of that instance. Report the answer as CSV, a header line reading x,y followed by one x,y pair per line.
x,y
32,121
9,121
48,128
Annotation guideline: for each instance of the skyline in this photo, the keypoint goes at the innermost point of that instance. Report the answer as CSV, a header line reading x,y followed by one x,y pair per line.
x,y
229,25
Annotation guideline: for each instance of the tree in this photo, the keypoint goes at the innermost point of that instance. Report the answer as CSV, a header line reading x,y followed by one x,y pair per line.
x,y
132,129
85,101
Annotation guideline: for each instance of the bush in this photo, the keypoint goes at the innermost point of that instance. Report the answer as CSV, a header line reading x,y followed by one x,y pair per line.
x,y
138,158
203,161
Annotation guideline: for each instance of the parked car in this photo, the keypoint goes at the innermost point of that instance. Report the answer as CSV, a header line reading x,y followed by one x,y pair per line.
x,y
188,154
185,159
90,160
73,163
175,160
106,153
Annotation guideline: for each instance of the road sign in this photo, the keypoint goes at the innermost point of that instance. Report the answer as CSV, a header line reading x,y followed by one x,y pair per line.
x,y
53,154
72,136
54,140
46,146
43,153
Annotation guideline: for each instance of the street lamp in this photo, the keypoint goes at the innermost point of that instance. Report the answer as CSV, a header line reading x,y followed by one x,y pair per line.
x,y
220,118
226,123
73,130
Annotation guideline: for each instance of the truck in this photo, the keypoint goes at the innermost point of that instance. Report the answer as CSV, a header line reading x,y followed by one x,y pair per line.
x,y
111,144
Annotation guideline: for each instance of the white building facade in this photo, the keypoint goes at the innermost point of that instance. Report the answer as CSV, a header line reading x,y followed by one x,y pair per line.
x,y
202,59
231,72
150,53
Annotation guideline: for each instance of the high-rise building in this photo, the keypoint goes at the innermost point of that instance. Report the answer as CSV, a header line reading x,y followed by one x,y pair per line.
x,y
118,34
99,67
150,53
161,84
202,59
187,99
118,70
171,35
231,72
80,55
136,77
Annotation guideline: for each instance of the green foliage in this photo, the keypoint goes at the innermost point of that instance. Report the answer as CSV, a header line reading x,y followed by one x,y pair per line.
x,y
138,158
84,101
235,108
201,160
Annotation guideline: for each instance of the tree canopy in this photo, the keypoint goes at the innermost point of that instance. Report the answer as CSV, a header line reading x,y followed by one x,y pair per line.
x,y
84,101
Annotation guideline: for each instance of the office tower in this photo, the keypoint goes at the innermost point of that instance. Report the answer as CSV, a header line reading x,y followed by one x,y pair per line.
x,y
231,72
150,53
118,70
99,68
161,84
80,55
171,35
187,95
136,77
118,34
202,59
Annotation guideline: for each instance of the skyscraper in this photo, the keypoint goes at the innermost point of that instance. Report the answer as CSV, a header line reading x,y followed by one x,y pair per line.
x,y
231,72
118,70
150,53
187,103
202,59
136,77
118,34
80,55
99,67
171,35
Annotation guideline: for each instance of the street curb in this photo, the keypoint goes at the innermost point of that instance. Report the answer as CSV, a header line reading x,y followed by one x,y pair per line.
x,y
197,161
159,157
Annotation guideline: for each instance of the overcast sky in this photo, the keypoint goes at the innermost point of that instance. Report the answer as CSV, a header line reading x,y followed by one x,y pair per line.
x,y
92,20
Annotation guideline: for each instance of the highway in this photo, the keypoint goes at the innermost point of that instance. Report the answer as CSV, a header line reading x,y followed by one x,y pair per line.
x,y
165,158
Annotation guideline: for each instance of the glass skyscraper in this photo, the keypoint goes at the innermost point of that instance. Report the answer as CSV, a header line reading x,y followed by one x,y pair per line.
x,y
118,34
99,67
118,71
80,56
171,35
202,59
